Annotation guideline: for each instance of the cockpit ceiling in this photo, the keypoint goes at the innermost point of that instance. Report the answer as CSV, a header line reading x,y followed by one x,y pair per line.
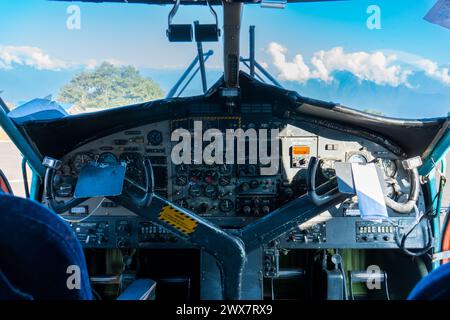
x,y
404,137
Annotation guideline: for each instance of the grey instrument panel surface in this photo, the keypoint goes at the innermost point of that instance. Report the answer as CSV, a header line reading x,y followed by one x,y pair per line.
x,y
340,224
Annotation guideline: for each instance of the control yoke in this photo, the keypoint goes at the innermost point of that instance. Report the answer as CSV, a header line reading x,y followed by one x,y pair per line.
x,y
230,250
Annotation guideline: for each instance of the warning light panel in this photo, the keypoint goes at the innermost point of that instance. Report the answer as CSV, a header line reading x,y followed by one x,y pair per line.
x,y
300,156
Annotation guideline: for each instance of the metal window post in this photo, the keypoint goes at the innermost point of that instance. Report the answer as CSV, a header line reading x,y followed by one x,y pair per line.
x,y
252,51
33,157
201,62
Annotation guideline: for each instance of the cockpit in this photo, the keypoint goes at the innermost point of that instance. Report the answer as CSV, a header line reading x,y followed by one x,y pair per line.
x,y
249,191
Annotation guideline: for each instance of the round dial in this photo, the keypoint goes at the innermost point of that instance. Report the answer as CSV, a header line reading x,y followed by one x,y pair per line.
x,y
211,191
196,190
389,167
80,160
224,180
390,191
252,169
357,158
211,177
108,158
181,180
182,203
226,205
155,137
195,175
225,168
181,168
327,167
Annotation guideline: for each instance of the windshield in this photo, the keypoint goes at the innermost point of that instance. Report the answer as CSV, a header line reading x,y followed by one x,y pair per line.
x,y
381,57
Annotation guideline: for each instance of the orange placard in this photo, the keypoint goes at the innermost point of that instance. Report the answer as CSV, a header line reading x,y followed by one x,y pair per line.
x,y
300,150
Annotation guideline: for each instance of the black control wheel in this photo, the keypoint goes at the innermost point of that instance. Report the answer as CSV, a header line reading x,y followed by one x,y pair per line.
x,y
140,197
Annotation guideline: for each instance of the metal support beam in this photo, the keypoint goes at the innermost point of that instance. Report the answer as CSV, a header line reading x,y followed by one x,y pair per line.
x,y
201,62
17,137
245,62
252,50
267,75
232,14
172,92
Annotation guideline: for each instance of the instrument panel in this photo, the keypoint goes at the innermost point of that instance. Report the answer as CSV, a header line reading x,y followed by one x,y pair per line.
x,y
231,195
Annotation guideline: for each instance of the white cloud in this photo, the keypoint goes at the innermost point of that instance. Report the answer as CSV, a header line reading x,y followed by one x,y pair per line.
x,y
375,67
29,56
34,57
432,70
379,67
296,70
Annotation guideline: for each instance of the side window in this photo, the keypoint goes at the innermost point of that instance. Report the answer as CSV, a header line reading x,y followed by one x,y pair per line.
x,y
11,165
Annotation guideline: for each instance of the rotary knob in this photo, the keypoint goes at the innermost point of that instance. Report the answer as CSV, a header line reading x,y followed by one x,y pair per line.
x,y
247,210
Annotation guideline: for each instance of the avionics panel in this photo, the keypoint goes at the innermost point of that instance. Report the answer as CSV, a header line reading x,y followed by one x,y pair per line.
x,y
233,195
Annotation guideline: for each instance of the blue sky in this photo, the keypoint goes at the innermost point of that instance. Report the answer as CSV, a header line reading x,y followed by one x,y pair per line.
x,y
408,57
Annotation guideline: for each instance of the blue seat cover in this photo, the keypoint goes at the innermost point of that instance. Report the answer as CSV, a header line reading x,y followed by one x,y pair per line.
x,y
37,247
435,286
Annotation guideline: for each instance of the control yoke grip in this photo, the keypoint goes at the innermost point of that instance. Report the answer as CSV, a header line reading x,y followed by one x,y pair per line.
x,y
59,207
318,200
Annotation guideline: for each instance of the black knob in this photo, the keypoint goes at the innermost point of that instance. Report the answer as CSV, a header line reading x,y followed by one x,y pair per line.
x,y
265,209
254,184
246,210
244,187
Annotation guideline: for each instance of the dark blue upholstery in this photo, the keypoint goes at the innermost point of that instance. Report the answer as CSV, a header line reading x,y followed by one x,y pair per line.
x,y
435,286
36,248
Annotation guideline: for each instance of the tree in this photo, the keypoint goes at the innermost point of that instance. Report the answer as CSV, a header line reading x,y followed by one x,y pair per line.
x,y
108,86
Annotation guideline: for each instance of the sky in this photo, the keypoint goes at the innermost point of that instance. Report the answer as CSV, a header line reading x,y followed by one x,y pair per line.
x,y
322,50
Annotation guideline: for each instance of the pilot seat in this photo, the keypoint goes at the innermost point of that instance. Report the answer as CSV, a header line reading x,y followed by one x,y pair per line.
x,y
41,258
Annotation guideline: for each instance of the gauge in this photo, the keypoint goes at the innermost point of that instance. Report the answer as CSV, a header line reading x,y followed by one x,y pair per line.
x,y
196,190
251,169
357,158
327,167
211,177
224,180
182,203
63,186
195,176
226,205
108,158
211,191
181,180
390,191
389,167
181,168
225,169
135,166
80,160
155,137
